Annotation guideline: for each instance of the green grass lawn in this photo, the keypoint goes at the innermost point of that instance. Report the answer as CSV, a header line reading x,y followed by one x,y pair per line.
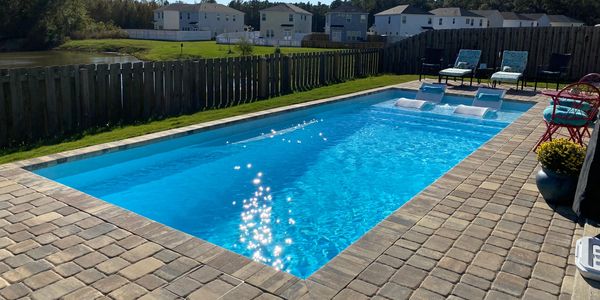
x,y
161,50
119,133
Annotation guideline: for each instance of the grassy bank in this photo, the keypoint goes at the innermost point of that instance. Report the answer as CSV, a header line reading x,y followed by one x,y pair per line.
x,y
124,132
161,50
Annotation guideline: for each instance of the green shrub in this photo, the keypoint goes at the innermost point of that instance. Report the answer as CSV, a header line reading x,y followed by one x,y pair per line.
x,y
562,156
99,30
245,47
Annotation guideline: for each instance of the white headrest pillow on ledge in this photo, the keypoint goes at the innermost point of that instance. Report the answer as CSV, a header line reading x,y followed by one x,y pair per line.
x,y
413,103
483,112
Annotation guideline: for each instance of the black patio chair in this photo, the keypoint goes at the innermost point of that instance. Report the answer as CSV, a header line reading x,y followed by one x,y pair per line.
x,y
432,62
555,70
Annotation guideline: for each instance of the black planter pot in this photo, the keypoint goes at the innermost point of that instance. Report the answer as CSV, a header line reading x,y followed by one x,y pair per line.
x,y
556,188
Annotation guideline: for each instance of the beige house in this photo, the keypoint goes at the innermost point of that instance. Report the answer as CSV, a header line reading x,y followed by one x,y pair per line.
x,y
285,22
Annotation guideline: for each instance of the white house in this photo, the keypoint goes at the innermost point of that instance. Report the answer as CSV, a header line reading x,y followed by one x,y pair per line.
x,y
285,22
497,19
212,17
511,19
493,16
402,21
564,21
456,18
542,20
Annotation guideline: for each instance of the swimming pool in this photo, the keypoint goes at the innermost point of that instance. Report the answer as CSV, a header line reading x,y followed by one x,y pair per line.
x,y
294,189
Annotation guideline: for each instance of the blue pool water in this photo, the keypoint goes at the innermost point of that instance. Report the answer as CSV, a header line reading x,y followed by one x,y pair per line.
x,y
291,190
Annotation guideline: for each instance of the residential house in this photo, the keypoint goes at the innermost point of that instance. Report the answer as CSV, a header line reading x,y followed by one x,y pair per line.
x,y
456,18
285,22
212,17
493,16
402,21
511,19
498,19
544,20
564,21
346,23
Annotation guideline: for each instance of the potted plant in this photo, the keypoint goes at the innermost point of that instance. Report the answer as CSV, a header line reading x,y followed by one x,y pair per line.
x,y
561,162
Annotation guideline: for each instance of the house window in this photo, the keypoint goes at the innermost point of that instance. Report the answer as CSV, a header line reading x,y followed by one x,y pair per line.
x,y
264,17
218,17
234,18
403,19
348,18
440,21
480,22
389,20
429,21
468,21
291,18
363,18
226,17
472,22
453,20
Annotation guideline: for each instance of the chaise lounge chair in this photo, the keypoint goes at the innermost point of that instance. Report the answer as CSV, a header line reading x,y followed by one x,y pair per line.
x,y
512,68
465,65
428,95
485,104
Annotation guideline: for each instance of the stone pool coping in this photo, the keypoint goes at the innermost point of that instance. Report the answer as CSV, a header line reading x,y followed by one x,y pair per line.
x,y
456,237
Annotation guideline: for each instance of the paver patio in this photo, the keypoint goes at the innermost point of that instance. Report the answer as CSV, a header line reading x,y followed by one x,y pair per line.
x,y
482,231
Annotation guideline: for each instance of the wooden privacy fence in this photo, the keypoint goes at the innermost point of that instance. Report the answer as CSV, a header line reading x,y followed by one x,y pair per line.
x,y
582,42
39,104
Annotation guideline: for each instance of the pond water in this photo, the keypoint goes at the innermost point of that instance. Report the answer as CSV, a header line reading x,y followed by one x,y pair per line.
x,y
10,60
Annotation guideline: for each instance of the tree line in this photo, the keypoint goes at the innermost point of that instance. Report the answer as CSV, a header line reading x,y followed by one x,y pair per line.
x,y
39,24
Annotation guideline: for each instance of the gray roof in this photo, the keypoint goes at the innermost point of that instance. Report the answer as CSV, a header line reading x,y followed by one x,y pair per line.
x,y
453,12
286,7
534,16
347,8
404,9
507,15
485,12
563,19
203,7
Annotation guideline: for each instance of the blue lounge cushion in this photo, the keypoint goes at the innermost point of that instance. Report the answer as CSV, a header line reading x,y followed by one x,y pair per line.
x,y
432,89
488,97
585,106
565,115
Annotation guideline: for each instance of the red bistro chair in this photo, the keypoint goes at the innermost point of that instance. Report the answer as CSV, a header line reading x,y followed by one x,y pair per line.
x,y
575,107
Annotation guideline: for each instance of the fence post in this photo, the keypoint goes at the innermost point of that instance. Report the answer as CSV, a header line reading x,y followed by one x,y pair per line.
x,y
336,66
263,78
358,67
286,75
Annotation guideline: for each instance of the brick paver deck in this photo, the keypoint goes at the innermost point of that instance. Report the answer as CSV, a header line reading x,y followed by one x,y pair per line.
x,y
480,232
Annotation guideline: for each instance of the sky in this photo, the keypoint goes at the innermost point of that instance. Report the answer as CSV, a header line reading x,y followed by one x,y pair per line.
x,y
225,2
